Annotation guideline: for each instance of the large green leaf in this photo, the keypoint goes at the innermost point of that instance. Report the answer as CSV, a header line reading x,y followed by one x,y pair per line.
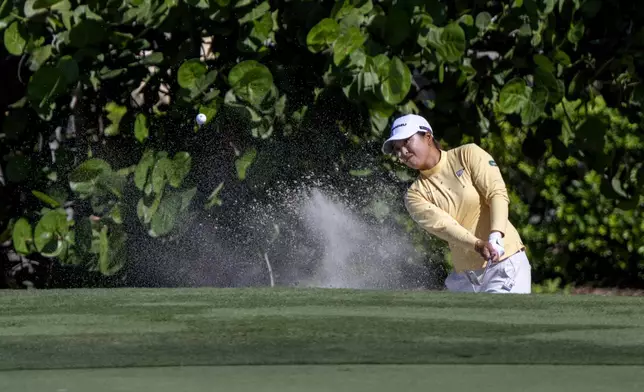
x,y
243,163
256,13
533,108
179,169
22,236
344,8
353,18
50,232
152,58
453,39
14,40
396,83
368,79
190,72
204,82
115,113
112,249
46,199
142,169
555,87
448,42
160,173
114,183
186,198
322,35
29,10
514,96
214,199
378,121
39,56
87,175
165,217
141,131
348,42
45,3
210,109
259,36
576,32
116,213
358,60
146,211
69,67
103,248
251,81
45,84
381,62
561,57
544,63
483,20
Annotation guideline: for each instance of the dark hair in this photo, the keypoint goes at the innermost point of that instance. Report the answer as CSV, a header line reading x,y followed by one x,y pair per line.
x,y
436,143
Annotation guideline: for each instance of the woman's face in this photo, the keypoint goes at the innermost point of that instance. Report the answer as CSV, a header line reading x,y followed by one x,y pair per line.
x,y
414,151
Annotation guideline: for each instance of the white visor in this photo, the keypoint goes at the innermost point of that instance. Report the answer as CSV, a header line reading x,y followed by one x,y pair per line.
x,y
405,127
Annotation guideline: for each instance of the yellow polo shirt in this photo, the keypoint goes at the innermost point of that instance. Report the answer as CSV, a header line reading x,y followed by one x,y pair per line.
x,y
461,199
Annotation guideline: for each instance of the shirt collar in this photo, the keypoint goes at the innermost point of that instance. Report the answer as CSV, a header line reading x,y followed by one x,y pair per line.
x,y
437,167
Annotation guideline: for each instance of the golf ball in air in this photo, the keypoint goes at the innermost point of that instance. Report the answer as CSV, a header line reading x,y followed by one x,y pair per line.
x,y
201,119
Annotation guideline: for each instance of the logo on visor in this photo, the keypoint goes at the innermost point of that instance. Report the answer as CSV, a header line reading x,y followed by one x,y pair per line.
x,y
492,163
398,126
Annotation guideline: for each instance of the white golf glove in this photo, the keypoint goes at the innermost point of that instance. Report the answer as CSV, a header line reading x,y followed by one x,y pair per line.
x,y
496,239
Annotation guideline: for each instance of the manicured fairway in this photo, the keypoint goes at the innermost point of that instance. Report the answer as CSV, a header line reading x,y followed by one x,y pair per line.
x,y
134,329
124,327
317,378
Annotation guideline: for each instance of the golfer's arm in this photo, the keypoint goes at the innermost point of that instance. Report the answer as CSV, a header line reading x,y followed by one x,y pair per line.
x,y
488,180
436,221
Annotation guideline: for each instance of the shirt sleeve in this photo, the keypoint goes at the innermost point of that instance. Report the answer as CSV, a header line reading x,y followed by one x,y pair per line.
x,y
436,221
488,180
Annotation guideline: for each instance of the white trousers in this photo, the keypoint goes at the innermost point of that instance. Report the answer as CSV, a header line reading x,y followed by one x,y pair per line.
x,y
512,275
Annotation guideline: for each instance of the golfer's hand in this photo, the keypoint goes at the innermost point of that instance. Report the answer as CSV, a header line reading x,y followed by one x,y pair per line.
x,y
496,240
487,251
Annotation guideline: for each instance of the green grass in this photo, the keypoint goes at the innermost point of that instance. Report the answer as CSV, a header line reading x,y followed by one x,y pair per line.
x,y
179,327
353,378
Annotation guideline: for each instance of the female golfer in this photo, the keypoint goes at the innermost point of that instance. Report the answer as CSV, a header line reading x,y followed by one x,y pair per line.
x,y
460,197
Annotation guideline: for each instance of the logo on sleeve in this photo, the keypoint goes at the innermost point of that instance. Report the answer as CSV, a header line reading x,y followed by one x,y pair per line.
x,y
459,173
492,163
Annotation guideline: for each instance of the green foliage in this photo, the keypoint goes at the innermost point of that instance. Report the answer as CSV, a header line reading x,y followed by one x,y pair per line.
x,y
14,40
243,163
322,35
23,236
553,89
551,286
141,131
251,81
50,232
163,199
